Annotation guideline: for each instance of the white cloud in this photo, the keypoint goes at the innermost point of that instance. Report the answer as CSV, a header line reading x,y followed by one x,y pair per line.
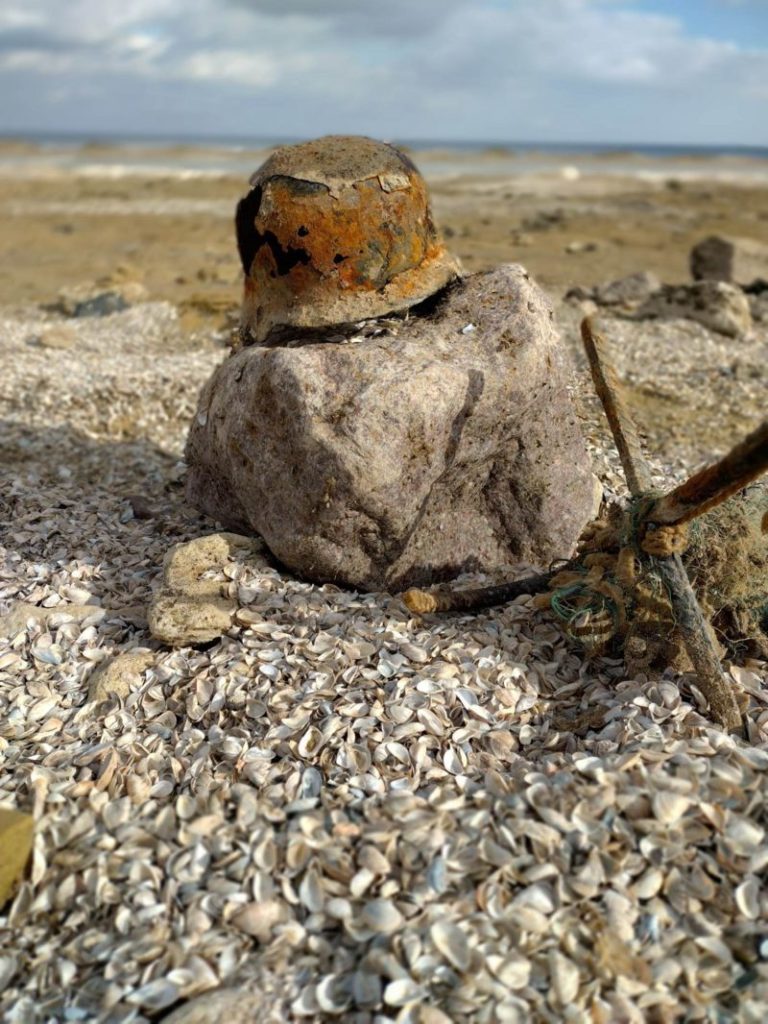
x,y
430,68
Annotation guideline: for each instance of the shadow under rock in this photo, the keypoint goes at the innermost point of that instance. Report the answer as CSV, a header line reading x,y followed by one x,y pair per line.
x,y
116,505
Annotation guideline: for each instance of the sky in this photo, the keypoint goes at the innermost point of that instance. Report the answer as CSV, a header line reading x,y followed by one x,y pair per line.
x,y
682,72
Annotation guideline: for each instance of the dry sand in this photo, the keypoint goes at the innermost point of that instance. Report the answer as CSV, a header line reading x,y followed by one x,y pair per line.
x,y
361,815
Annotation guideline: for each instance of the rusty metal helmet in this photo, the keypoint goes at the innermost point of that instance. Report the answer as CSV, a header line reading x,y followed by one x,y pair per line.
x,y
334,231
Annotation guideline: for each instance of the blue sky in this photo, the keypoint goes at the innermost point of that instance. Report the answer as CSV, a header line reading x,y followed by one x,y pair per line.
x,y
614,71
744,22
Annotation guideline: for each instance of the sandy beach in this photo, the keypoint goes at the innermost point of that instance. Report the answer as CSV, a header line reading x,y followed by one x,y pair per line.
x,y
347,811
70,218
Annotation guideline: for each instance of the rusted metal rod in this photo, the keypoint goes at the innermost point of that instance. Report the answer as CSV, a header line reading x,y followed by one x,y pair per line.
x,y
609,391
423,602
712,485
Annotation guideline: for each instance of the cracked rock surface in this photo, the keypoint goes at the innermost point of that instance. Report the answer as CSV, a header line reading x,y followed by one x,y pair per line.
x,y
442,443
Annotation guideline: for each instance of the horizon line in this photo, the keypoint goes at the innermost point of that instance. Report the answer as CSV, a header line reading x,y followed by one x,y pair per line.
x,y
85,137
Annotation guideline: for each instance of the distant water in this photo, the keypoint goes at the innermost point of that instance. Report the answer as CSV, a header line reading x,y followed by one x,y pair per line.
x,y
188,155
466,146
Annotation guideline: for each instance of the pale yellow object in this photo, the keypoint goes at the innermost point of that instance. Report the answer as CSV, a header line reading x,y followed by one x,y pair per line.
x,y
16,834
419,601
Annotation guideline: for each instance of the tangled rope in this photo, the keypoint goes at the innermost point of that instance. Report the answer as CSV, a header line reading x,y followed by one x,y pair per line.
x,y
596,599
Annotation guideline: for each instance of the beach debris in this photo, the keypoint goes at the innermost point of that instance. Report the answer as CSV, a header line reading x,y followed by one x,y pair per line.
x,y
190,606
737,260
628,583
16,837
407,451
117,676
720,307
334,231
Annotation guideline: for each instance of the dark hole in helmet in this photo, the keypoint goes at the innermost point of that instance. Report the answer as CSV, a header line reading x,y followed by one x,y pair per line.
x,y
250,240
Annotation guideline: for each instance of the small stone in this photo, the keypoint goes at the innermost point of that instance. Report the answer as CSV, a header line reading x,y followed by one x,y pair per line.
x,y
184,564
231,1005
190,609
117,676
575,248
21,613
16,836
627,290
103,304
178,620
58,336
720,307
718,258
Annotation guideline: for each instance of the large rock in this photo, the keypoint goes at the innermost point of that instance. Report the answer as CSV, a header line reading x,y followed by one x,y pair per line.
x,y
720,307
447,445
740,260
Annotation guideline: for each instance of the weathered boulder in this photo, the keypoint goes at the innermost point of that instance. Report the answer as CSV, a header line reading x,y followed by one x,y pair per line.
x,y
720,307
447,445
718,258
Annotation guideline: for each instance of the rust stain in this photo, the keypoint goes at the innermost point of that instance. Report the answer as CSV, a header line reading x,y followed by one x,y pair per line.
x,y
337,230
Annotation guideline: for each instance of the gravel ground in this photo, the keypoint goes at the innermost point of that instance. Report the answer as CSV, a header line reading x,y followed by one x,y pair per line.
x,y
358,814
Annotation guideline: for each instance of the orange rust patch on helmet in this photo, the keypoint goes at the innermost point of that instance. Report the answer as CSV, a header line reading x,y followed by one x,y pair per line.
x,y
334,231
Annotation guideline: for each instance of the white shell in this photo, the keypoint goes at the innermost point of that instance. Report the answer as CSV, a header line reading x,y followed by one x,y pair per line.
x,y
452,943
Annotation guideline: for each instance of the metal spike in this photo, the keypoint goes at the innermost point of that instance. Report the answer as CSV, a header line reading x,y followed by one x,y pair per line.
x,y
610,393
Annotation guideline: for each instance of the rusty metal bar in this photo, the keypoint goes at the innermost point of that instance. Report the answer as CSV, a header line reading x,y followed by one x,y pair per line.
x,y
713,484
423,602
610,393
